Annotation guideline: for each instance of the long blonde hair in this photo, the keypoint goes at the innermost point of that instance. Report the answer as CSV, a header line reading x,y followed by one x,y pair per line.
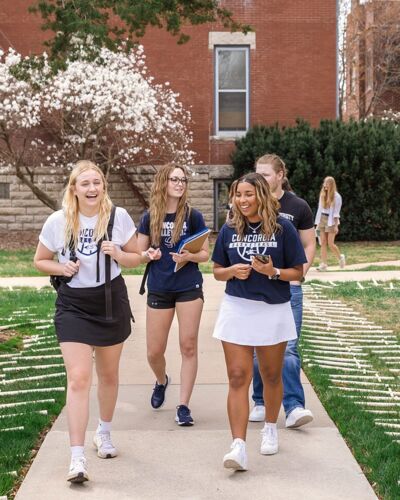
x,y
268,206
327,196
158,205
70,206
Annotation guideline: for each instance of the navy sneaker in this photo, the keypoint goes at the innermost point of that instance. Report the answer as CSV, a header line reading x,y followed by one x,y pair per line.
x,y
183,416
158,396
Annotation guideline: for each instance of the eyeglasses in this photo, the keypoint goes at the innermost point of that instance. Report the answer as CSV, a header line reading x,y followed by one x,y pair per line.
x,y
178,180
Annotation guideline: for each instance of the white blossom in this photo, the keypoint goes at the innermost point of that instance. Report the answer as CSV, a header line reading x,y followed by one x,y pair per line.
x,y
109,110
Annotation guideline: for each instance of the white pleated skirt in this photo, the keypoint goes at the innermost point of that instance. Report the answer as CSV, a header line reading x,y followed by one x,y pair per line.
x,y
253,322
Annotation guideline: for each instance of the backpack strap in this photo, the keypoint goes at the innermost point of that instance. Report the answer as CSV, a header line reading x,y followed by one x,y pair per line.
x,y
107,264
108,267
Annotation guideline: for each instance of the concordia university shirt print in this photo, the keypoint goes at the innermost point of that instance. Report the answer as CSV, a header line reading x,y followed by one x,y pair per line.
x,y
252,244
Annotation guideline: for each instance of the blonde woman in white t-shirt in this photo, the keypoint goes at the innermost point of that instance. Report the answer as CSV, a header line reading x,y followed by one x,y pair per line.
x,y
92,314
327,221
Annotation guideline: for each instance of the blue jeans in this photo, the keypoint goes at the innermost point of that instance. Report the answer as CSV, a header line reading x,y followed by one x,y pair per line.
x,y
293,393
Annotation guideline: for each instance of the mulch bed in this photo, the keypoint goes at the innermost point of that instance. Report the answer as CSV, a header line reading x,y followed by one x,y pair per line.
x,y
18,240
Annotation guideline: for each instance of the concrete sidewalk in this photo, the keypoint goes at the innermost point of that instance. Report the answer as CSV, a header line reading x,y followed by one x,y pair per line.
x,y
159,460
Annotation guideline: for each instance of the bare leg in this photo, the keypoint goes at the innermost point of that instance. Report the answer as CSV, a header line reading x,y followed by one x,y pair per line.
x,y
324,247
107,367
158,323
189,314
270,362
78,360
239,364
334,248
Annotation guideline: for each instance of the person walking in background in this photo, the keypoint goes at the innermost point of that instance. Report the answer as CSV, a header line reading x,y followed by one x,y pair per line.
x,y
297,211
327,221
169,220
88,319
257,253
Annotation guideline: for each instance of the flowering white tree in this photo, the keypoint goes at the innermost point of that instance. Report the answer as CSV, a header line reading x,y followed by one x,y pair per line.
x,y
108,110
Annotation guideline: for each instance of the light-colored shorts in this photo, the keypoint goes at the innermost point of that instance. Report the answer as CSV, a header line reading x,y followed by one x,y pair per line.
x,y
323,225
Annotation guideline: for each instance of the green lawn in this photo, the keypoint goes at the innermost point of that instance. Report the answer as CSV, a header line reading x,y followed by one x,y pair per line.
x,y
377,453
28,312
19,263
364,251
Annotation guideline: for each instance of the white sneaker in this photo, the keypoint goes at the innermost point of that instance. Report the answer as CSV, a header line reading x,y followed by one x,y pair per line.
x,y
269,440
78,470
322,267
257,414
342,261
298,417
105,448
236,459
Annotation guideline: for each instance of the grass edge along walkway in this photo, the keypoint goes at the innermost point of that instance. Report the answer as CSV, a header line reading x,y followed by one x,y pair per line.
x,y
349,361
32,381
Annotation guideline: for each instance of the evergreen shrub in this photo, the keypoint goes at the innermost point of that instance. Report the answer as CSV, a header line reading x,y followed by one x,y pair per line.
x,y
363,157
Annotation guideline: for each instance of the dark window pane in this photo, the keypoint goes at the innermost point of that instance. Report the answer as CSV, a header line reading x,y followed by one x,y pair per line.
x,y
232,69
4,190
221,202
232,111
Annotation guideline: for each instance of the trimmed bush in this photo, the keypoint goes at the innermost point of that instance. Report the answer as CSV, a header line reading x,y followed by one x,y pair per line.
x,y
363,157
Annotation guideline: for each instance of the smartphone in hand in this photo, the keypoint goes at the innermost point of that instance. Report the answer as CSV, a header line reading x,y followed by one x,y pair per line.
x,y
262,258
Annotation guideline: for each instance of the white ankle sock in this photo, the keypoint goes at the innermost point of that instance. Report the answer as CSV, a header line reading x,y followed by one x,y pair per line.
x,y
240,441
270,425
104,426
77,451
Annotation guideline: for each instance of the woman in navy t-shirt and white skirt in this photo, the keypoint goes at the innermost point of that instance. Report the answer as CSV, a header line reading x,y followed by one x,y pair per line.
x,y
169,220
257,253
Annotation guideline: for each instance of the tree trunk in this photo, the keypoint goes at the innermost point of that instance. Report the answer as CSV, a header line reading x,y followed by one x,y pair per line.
x,y
132,186
39,193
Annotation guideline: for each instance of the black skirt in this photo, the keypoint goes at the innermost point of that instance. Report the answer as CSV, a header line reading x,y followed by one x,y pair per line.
x,y
80,315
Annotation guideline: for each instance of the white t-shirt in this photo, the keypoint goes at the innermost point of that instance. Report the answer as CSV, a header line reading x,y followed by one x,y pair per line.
x,y
52,237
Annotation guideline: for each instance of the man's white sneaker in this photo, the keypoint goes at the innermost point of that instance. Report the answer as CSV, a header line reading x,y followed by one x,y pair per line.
x,y
269,440
298,417
342,261
105,448
78,470
257,414
236,459
322,267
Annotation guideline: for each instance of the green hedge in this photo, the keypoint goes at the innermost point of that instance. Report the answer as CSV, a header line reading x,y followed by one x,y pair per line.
x,y
363,157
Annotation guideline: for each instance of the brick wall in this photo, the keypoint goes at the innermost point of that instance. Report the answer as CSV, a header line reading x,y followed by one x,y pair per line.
x,y
292,75
292,67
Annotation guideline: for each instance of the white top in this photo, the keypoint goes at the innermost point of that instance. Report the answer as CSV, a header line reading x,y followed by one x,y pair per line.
x,y
334,210
52,237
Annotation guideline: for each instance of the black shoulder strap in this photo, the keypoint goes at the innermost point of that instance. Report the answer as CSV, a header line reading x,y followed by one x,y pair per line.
x,y
190,221
108,266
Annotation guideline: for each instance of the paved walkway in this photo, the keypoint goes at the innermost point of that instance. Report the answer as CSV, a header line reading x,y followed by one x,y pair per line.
x,y
159,460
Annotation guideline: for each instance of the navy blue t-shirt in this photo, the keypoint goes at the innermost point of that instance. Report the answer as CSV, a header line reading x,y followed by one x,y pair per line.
x,y
284,247
162,277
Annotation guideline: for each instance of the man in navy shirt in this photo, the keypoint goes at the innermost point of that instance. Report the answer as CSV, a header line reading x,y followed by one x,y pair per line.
x,y
298,212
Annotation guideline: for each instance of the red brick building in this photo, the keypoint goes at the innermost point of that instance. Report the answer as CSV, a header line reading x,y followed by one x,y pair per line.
x,y
283,70
373,58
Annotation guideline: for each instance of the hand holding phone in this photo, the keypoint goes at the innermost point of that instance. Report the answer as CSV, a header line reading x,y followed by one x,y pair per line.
x,y
262,258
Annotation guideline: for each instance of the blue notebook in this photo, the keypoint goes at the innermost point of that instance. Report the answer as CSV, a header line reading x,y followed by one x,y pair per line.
x,y
192,244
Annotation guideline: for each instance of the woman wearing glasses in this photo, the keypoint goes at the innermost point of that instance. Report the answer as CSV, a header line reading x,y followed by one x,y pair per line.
x,y
169,220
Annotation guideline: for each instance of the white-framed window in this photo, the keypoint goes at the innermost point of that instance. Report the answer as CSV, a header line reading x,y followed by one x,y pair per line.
x,y
231,90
